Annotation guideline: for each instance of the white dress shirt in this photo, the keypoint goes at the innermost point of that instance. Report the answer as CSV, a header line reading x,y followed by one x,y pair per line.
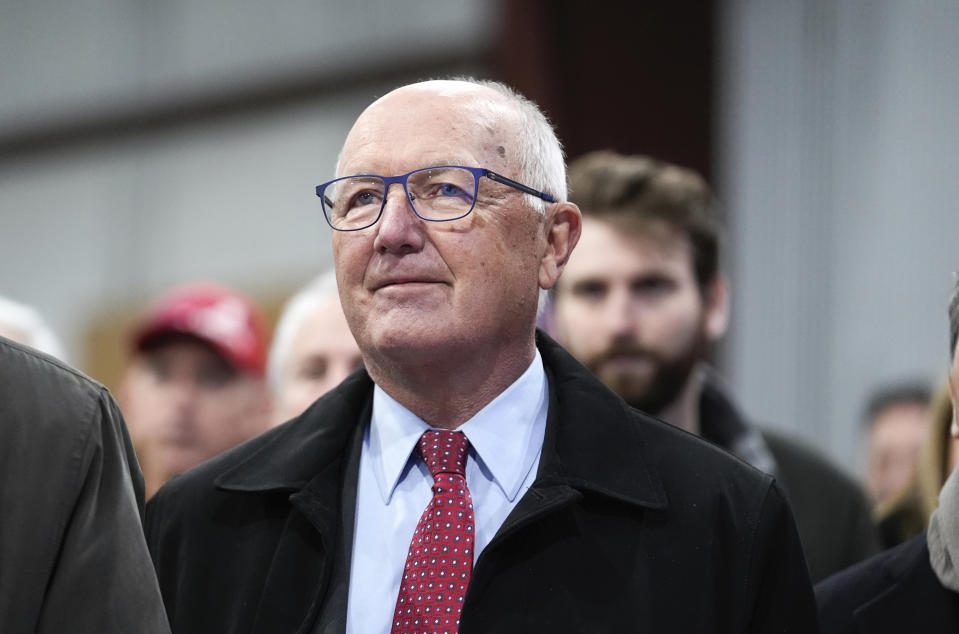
x,y
395,486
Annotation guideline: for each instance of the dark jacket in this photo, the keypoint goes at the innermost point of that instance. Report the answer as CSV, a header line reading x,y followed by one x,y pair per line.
x,y
833,517
72,553
631,525
896,591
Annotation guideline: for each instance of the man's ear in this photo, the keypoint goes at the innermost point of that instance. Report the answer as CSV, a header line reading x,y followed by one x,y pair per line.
x,y
562,225
717,308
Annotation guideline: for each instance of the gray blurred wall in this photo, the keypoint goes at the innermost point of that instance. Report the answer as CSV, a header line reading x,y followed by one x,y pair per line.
x,y
839,127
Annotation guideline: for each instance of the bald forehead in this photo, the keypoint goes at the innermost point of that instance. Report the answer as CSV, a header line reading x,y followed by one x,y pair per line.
x,y
453,92
461,108
444,87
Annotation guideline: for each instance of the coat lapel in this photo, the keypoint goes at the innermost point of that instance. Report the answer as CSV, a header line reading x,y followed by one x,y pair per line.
x,y
608,459
300,570
304,468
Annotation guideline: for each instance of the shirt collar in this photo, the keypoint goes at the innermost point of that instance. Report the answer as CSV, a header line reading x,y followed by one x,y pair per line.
x,y
506,436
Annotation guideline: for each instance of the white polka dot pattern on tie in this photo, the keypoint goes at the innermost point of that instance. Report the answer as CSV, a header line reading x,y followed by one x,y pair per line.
x,y
440,558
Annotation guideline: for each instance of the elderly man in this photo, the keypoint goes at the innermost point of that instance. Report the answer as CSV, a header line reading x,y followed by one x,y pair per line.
x,y
643,301
475,477
913,587
313,349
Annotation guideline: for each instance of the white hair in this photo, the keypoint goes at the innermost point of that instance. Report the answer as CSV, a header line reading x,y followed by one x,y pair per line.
x,y
296,310
29,326
541,163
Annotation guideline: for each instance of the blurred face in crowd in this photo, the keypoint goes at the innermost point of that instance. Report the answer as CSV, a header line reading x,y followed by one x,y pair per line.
x,y
628,306
185,403
896,436
954,397
322,353
423,293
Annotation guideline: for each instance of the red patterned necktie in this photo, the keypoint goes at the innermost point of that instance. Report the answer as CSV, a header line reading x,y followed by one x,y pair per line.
x,y
440,559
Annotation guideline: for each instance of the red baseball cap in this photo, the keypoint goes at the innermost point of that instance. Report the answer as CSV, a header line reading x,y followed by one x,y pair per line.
x,y
220,316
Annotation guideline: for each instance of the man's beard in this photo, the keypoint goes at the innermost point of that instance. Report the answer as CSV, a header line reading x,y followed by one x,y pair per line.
x,y
654,391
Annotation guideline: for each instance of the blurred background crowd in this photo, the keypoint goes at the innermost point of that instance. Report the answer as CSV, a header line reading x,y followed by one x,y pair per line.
x,y
158,160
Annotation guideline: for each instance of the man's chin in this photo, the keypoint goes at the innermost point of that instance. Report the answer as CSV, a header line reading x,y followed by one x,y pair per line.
x,y
631,388
176,460
414,344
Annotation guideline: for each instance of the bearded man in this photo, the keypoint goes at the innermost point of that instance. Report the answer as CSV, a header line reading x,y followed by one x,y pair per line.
x,y
642,302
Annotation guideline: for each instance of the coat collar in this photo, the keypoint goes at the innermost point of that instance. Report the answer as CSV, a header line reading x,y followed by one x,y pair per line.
x,y
593,442
721,423
292,455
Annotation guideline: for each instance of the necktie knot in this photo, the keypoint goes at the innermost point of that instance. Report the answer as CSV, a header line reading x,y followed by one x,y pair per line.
x,y
444,451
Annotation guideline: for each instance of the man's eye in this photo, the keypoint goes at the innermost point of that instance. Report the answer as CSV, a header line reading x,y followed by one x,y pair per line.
x,y
313,369
449,189
158,368
592,291
215,375
652,287
363,199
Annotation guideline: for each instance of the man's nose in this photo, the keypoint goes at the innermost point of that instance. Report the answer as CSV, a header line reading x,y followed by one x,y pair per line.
x,y
399,229
620,313
180,393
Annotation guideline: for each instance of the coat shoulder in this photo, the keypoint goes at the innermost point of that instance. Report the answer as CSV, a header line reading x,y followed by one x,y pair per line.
x,y
40,388
689,463
893,591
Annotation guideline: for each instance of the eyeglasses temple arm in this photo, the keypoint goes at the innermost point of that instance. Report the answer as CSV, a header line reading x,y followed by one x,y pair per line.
x,y
493,176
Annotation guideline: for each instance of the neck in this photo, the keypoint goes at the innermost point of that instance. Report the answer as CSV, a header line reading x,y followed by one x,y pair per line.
x,y
447,391
683,412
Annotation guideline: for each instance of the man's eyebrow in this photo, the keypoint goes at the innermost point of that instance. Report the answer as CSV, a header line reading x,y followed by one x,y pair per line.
x,y
457,163
587,281
425,165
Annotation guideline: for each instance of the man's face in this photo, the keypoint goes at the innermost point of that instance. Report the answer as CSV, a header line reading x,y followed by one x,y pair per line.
x,y
628,306
896,436
416,292
322,353
185,404
954,396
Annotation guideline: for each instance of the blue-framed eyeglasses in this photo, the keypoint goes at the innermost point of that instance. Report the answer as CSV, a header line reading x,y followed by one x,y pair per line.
x,y
438,194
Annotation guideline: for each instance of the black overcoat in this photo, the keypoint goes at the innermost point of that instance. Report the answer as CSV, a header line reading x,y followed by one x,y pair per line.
x,y
895,591
631,526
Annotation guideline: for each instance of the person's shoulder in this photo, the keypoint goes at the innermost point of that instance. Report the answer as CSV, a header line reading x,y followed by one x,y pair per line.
x,y
52,395
21,365
696,472
863,581
690,469
872,581
673,441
